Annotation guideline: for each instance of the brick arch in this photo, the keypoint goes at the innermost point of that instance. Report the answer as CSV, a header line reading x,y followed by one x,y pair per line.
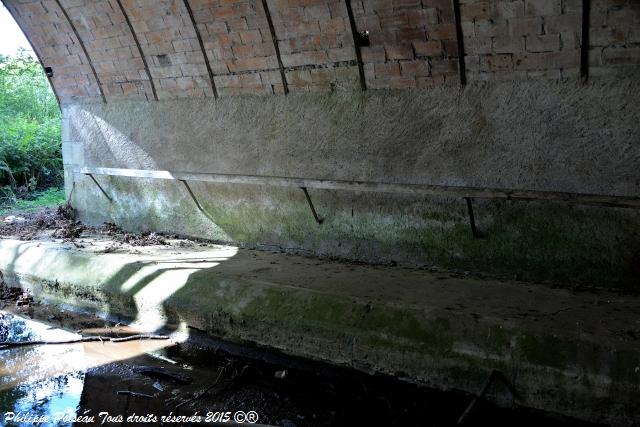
x,y
111,50
57,46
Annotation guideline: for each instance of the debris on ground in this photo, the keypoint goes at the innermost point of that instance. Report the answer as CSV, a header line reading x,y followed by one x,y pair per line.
x,y
25,298
65,211
135,394
56,223
133,239
60,223
7,293
164,374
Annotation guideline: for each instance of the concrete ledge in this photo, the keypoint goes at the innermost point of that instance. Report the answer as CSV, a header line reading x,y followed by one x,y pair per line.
x,y
571,353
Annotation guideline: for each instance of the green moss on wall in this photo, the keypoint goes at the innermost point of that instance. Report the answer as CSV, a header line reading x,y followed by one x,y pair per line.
x,y
525,240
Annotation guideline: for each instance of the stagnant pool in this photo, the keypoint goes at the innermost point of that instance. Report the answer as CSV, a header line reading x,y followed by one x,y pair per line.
x,y
162,382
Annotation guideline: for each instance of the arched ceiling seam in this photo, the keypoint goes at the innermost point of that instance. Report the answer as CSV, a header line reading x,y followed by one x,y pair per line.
x,y
204,52
356,44
137,42
272,29
84,49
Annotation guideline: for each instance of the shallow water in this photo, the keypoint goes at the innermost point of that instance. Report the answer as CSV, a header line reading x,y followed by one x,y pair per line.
x,y
32,387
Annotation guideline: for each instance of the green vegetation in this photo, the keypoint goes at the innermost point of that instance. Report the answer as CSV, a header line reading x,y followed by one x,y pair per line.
x,y
30,143
38,199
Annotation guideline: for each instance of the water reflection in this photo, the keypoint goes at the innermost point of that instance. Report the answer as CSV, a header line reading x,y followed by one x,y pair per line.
x,y
55,400
30,390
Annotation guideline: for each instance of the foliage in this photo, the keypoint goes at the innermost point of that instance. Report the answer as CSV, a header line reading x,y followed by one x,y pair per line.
x,y
30,143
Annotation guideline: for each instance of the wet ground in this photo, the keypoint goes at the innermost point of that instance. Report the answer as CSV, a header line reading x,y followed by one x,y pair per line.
x,y
104,383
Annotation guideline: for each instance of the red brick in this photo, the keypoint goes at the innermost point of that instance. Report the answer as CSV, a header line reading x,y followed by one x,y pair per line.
x,y
385,70
401,83
399,52
410,34
442,31
336,25
450,47
414,68
422,18
474,11
428,48
496,62
248,64
545,43
250,36
373,54
621,56
397,19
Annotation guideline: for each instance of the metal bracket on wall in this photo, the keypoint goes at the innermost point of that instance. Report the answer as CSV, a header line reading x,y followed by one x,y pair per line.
x,y
198,205
100,187
472,220
313,209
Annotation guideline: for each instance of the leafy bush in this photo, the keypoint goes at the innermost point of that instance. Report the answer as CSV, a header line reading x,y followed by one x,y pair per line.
x,y
30,143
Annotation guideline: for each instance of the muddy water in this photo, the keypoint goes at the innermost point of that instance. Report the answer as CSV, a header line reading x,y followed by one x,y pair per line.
x,y
104,383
